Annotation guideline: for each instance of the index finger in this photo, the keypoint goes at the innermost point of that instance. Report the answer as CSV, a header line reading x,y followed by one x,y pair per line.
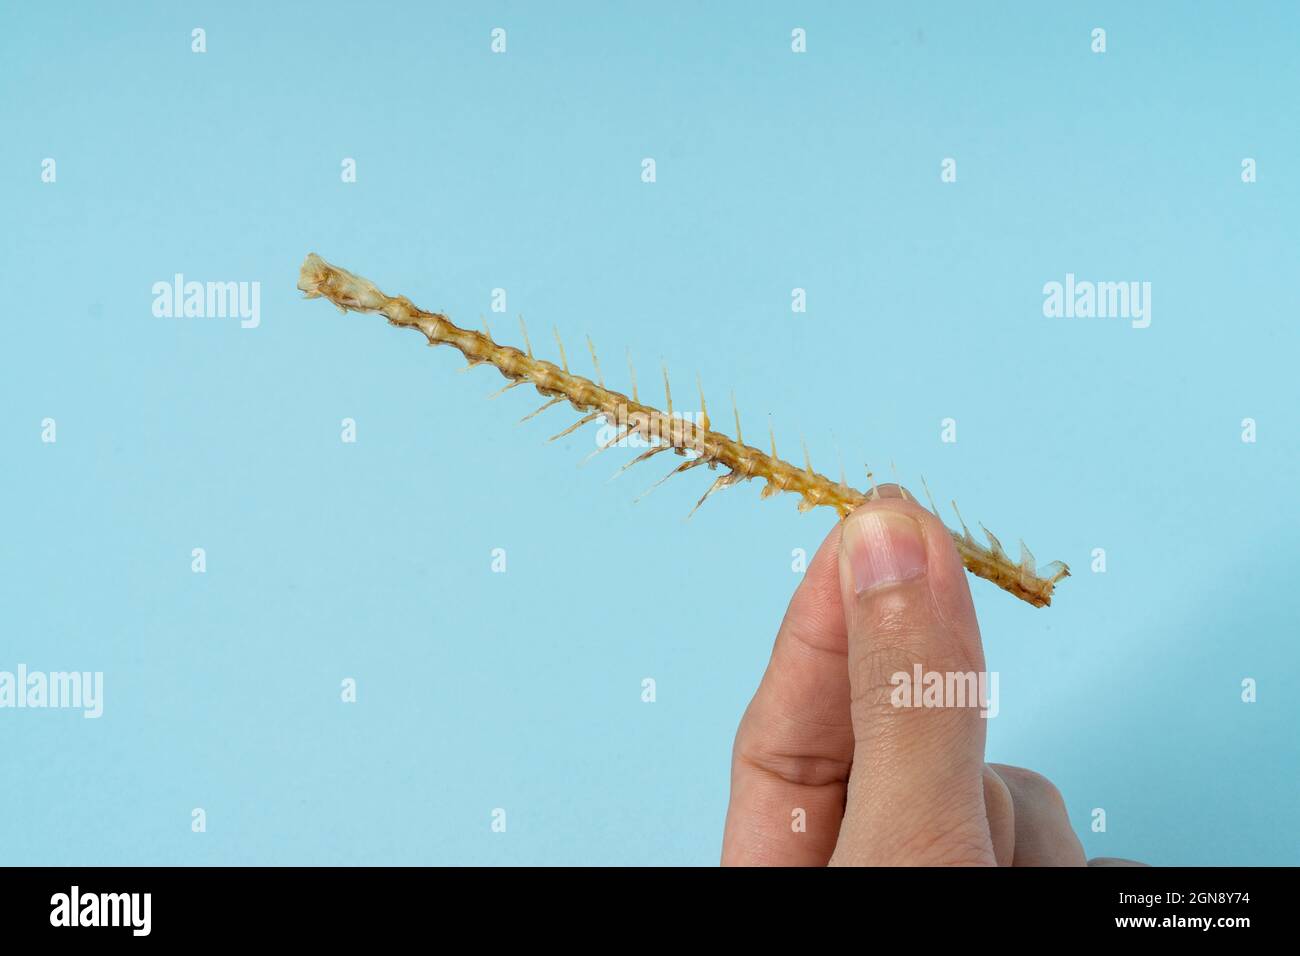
x,y
794,747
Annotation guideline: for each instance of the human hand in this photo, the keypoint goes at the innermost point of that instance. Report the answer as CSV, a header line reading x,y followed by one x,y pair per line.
x,y
823,744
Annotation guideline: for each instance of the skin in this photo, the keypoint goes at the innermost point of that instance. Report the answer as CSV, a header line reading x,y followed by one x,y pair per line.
x,y
882,785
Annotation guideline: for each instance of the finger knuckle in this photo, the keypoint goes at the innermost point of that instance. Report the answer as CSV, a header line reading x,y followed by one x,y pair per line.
x,y
801,770
1032,784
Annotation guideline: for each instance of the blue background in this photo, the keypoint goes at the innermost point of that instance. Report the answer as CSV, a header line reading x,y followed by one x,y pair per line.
x,y
475,171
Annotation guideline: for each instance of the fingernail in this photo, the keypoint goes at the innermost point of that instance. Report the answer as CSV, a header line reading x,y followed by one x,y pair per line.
x,y
884,547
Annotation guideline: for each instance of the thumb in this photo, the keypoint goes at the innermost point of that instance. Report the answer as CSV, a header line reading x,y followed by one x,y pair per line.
x,y
916,673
